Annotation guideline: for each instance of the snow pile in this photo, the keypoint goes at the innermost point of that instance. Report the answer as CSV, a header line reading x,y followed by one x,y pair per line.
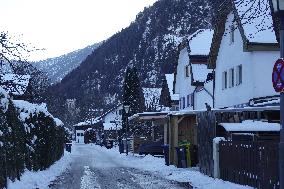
x,y
251,125
256,20
41,179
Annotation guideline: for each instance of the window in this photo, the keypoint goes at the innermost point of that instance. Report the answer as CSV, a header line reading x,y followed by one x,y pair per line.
x,y
120,112
231,77
232,35
186,71
239,75
183,102
78,134
188,100
82,134
224,80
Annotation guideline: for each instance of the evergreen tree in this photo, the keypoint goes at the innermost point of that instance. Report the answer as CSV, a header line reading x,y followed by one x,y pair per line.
x,y
17,147
3,146
165,99
132,95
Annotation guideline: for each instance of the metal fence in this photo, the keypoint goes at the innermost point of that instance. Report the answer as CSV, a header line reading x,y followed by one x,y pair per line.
x,y
250,163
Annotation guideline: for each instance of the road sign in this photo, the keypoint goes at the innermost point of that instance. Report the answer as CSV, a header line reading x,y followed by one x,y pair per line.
x,y
278,75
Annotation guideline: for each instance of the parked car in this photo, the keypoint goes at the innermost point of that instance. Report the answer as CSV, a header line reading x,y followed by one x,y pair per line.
x,y
152,148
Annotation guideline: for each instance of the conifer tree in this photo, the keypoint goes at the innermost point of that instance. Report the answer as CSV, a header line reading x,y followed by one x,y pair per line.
x,y
132,95
16,139
165,99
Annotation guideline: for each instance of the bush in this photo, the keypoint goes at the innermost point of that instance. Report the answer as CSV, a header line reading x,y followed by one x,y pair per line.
x,y
33,143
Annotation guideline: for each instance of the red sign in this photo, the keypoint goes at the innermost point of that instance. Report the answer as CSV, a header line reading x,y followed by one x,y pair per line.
x,y
278,75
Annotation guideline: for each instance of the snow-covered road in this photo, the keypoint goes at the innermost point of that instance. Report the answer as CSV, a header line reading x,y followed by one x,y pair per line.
x,y
94,167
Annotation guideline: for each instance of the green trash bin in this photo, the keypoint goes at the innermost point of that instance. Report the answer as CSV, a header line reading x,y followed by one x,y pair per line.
x,y
186,146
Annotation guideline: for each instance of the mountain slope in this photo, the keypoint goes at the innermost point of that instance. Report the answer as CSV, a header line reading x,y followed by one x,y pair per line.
x,y
58,67
149,43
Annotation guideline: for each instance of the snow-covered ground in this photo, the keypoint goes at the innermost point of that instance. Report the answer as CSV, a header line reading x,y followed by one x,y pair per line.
x,y
157,166
41,179
92,166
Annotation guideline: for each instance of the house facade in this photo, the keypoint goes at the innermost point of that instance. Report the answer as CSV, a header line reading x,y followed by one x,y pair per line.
x,y
112,122
243,55
192,72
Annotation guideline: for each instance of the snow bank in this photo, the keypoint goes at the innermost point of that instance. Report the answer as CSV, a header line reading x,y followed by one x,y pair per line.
x,y
41,179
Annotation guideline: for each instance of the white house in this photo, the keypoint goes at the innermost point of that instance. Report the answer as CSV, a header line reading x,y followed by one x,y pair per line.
x,y
80,128
192,72
174,97
112,119
243,51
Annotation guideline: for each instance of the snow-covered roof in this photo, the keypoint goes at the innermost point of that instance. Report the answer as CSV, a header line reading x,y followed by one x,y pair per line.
x,y
89,122
152,97
200,72
200,42
170,82
15,84
256,20
112,126
251,125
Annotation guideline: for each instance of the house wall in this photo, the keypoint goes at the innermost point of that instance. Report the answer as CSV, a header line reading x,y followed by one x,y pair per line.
x,y
113,116
80,136
256,70
202,97
183,84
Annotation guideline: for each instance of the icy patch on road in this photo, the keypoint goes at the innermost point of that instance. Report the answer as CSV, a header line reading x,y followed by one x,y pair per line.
x,y
41,179
89,181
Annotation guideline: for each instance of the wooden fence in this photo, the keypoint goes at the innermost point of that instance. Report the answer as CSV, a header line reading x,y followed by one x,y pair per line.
x,y
206,131
250,163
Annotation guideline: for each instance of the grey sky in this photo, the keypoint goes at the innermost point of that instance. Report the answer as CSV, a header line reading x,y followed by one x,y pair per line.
x,y
61,26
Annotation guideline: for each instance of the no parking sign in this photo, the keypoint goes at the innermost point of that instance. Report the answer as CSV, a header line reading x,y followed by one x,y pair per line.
x,y
278,75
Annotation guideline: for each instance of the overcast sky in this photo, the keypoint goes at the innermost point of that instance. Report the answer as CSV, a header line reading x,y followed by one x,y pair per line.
x,y
61,26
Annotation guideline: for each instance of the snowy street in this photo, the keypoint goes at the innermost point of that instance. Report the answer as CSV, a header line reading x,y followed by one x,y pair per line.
x,y
94,167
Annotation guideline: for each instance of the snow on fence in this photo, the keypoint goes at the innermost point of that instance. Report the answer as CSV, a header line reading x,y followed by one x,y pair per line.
x,y
250,163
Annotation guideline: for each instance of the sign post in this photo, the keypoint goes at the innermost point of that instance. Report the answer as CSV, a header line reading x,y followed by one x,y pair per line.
x,y
278,85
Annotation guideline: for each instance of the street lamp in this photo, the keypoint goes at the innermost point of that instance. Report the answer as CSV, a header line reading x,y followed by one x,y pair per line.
x,y
126,109
278,9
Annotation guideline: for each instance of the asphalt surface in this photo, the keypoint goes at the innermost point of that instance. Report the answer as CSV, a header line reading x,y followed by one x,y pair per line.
x,y
96,169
